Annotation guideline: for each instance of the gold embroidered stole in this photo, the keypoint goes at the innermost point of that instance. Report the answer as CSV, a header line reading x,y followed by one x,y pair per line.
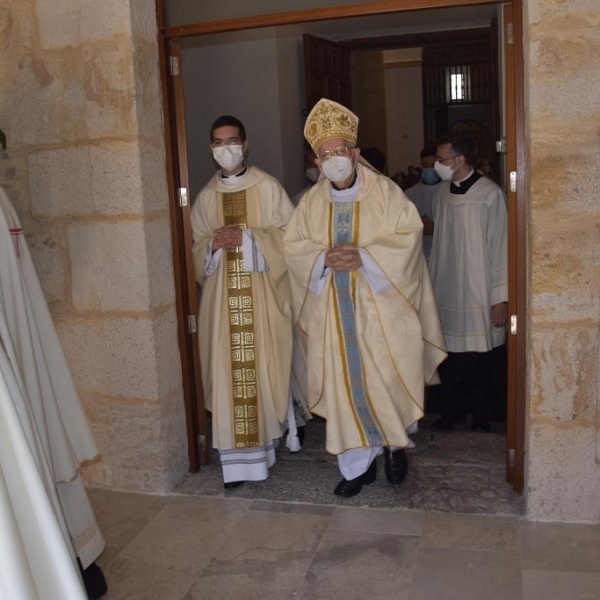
x,y
241,328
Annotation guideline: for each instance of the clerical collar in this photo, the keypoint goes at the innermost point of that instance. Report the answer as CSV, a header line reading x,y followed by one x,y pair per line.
x,y
335,187
233,179
349,194
464,185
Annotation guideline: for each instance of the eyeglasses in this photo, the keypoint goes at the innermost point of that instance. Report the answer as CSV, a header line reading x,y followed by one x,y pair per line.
x,y
442,160
233,141
341,151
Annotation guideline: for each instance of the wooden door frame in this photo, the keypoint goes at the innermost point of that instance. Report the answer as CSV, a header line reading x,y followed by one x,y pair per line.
x,y
185,292
517,240
516,200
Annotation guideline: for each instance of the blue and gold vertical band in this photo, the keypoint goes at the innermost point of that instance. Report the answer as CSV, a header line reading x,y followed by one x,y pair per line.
x,y
345,221
241,329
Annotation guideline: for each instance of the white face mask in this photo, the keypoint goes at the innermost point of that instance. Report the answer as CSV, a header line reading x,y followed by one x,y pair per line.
x,y
229,157
444,172
337,168
312,174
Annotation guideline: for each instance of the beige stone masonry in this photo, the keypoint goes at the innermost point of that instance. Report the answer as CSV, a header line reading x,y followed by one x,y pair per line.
x,y
85,168
122,356
132,441
563,482
564,358
107,258
563,113
108,179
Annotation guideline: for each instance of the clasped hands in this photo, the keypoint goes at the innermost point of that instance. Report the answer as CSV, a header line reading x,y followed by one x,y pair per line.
x,y
228,237
345,257
427,225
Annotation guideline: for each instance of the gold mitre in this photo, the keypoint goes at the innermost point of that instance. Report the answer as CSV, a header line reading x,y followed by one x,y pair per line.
x,y
327,120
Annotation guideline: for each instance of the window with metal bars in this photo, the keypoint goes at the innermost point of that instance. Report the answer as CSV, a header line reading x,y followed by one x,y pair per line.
x,y
458,84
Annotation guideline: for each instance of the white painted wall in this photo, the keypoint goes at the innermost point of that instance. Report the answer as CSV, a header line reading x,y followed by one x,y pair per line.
x,y
257,77
234,74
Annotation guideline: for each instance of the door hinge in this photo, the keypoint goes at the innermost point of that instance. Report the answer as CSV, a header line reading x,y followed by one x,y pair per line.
x,y
510,36
192,327
513,324
513,181
501,146
511,457
183,196
174,65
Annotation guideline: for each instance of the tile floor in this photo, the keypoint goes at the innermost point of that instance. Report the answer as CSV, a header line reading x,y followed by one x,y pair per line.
x,y
191,547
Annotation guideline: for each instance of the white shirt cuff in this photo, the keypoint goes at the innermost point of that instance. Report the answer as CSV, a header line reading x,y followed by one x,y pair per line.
x,y
378,280
319,275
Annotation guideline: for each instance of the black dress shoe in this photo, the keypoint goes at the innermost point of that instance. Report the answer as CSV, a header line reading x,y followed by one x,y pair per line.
x,y
348,488
94,581
232,484
396,465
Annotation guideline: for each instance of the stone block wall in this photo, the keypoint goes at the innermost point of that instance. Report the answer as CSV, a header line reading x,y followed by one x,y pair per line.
x,y
562,61
85,168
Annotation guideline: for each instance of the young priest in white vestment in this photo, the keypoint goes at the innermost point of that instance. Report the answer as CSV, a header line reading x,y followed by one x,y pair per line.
x,y
245,326
470,278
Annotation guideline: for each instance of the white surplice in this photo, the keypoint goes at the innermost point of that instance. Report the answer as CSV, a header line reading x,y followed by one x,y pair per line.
x,y
469,264
49,411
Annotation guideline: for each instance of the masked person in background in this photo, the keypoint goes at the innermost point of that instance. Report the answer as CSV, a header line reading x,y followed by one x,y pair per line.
x,y
245,315
361,292
470,278
311,174
422,195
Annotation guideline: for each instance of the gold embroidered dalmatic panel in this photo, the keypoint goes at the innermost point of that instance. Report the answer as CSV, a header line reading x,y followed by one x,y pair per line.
x,y
241,327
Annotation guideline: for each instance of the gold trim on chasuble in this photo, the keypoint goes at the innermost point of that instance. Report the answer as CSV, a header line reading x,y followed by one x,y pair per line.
x,y
244,382
344,225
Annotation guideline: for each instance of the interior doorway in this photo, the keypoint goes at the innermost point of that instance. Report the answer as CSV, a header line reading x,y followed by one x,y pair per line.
x,y
187,164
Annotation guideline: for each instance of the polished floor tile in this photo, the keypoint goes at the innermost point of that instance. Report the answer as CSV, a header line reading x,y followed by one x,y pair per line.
x,y
548,585
471,532
560,547
265,556
203,547
449,574
357,564
399,522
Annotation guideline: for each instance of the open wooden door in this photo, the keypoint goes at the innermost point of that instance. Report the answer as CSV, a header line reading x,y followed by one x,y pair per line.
x,y
326,71
187,302
517,251
369,99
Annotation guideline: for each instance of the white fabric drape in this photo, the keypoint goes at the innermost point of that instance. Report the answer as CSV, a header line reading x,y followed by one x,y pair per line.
x,y
46,518
37,560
